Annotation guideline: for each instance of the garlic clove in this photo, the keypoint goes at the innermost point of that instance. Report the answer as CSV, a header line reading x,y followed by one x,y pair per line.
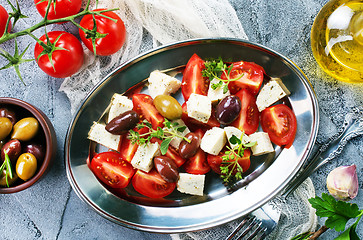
x,y
342,183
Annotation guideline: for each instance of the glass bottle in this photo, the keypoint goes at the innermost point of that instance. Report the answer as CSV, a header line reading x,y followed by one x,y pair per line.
x,y
337,39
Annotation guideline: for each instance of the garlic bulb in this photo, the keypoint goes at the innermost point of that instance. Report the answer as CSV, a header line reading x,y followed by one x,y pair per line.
x,y
342,183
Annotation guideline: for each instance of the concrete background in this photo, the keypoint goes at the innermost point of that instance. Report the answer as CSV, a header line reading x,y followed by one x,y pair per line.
x,y
51,210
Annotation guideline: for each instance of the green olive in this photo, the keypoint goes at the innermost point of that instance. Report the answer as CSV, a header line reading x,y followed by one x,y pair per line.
x,y
26,166
5,127
168,106
25,129
10,180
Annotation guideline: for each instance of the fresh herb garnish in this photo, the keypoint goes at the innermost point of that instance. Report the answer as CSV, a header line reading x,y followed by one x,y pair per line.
x,y
338,213
214,70
171,130
230,166
7,166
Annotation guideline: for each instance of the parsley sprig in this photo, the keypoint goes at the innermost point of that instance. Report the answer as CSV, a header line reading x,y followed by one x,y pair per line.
x,y
214,70
8,170
230,167
338,213
171,130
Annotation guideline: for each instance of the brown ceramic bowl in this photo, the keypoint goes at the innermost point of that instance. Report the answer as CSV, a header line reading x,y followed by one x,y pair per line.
x,y
46,136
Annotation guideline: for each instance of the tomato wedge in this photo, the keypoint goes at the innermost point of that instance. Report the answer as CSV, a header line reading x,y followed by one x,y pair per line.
x,y
248,118
143,105
112,169
197,164
279,121
252,77
193,80
171,153
216,161
151,184
128,149
194,124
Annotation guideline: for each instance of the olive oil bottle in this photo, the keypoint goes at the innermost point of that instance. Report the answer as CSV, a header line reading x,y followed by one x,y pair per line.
x,y
337,39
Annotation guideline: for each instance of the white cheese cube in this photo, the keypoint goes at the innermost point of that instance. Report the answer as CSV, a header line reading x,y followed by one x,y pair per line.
x,y
143,158
99,134
270,93
162,84
213,141
199,107
263,144
177,140
191,184
230,131
217,94
119,104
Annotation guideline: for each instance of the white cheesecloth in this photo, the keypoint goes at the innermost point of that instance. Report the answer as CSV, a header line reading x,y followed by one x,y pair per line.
x,y
167,21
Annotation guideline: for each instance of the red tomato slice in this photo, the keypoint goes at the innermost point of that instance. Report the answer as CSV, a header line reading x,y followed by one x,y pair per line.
x,y
279,121
171,153
128,149
151,184
193,81
248,118
252,77
112,169
216,161
143,105
194,124
197,164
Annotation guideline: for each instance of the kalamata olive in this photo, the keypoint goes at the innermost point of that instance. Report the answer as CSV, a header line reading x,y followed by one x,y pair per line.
x,y
13,149
167,168
26,166
5,127
168,106
228,109
25,129
188,150
9,180
5,112
123,122
36,149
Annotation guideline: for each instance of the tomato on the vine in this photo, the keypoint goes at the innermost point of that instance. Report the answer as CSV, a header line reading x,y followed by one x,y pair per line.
x,y
66,57
59,8
116,33
3,19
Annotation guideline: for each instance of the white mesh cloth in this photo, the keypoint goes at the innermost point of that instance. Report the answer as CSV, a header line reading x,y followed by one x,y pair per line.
x,y
169,21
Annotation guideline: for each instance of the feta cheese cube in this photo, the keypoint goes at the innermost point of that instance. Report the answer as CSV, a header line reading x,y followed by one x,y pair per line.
x,y
217,94
230,131
199,107
99,134
270,93
177,140
162,84
191,184
119,104
143,158
263,144
213,141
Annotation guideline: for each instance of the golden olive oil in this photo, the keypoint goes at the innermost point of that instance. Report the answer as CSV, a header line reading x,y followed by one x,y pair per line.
x,y
337,39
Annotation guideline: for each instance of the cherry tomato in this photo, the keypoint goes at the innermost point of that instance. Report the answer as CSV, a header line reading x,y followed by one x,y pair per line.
x,y
194,124
171,153
112,169
279,121
215,161
197,164
252,77
3,19
116,33
128,149
66,61
151,184
143,105
59,9
248,118
193,81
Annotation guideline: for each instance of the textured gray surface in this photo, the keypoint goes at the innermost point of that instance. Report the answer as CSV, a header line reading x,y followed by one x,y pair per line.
x,y
51,210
